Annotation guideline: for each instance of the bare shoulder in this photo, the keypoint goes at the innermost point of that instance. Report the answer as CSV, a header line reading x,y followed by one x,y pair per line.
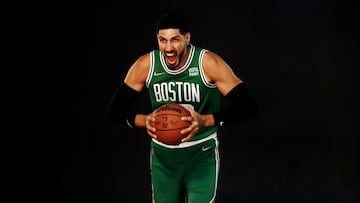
x,y
137,74
212,59
215,66
217,70
143,62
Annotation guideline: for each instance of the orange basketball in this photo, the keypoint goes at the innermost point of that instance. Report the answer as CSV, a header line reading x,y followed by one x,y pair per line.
x,y
168,123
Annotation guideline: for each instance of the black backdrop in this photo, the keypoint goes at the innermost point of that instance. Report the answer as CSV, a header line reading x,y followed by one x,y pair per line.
x,y
296,56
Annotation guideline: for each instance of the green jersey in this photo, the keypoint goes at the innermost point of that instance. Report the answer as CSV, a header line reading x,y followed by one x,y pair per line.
x,y
187,85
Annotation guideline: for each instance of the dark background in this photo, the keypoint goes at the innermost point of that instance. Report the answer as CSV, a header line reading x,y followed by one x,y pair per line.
x,y
297,57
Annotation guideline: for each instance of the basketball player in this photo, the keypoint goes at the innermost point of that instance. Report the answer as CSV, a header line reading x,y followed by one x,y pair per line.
x,y
179,72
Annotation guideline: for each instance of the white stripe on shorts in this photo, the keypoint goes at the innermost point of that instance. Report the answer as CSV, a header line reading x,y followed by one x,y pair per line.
x,y
186,144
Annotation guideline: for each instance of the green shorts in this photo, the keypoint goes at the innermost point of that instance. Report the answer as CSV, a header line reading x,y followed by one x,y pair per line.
x,y
185,174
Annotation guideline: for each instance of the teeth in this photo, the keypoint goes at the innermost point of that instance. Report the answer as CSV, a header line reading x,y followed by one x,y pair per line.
x,y
170,54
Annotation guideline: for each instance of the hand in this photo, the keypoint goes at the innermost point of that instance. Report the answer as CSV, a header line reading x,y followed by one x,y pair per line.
x,y
149,128
196,124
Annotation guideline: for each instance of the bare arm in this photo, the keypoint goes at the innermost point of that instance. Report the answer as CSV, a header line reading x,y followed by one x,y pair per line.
x,y
136,79
127,92
136,76
234,90
218,71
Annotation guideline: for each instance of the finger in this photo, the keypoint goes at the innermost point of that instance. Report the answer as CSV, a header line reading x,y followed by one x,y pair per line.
x,y
186,118
150,118
190,135
148,122
151,129
186,130
187,138
151,134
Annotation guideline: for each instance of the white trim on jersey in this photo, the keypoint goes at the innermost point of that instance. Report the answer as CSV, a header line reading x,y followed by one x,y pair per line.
x,y
202,73
151,69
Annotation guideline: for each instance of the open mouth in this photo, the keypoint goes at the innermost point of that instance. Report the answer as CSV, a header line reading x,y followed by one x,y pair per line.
x,y
171,59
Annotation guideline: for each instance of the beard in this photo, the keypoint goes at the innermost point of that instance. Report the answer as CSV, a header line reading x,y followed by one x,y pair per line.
x,y
173,62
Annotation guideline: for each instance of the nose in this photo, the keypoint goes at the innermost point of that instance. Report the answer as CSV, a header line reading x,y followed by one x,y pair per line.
x,y
168,46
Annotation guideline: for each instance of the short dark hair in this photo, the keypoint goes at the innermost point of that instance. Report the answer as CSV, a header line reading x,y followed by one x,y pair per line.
x,y
172,19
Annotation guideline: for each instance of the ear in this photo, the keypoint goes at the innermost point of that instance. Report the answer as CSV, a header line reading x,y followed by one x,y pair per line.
x,y
187,37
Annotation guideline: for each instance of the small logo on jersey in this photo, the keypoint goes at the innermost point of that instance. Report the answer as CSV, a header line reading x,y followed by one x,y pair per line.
x,y
206,148
193,71
157,74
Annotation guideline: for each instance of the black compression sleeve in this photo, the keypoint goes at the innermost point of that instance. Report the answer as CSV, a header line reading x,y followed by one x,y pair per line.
x,y
118,109
242,107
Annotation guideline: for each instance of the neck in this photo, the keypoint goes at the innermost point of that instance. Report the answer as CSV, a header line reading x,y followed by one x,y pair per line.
x,y
184,57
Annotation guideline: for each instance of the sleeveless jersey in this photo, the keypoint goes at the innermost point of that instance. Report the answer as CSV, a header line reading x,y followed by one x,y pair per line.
x,y
187,86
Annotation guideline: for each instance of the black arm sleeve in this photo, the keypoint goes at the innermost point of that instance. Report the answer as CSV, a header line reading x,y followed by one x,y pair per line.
x,y
118,109
242,107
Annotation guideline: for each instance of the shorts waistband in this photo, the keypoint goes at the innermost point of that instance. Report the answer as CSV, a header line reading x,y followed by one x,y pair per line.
x,y
187,144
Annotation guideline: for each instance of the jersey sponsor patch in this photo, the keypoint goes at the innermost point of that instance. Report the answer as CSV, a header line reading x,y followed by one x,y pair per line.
x,y
193,71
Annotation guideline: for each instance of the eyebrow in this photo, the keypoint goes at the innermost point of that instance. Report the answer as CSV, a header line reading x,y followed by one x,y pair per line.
x,y
174,37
